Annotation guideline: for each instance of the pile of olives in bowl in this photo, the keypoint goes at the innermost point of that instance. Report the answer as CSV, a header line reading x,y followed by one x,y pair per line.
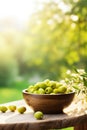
x,y
48,87
48,96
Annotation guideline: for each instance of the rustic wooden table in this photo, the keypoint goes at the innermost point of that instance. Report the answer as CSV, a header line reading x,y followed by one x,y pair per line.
x,y
26,121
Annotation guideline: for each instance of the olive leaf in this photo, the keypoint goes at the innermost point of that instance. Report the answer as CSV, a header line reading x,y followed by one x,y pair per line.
x,y
75,69
85,81
84,75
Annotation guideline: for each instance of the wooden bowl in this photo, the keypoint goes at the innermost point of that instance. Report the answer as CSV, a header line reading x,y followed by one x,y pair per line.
x,y
51,104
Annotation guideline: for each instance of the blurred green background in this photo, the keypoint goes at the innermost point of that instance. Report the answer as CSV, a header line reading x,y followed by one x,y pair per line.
x,y
53,40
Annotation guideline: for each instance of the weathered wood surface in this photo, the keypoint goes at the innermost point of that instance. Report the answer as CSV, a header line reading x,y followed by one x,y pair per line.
x,y
82,126
26,121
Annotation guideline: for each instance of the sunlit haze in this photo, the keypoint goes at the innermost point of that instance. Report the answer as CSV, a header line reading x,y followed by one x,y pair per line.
x,y
16,11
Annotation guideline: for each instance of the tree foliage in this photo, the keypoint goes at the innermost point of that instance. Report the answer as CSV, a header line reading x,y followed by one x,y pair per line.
x,y
59,37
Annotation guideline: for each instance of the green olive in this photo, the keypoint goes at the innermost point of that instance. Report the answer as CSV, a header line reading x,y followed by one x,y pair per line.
x,y
69,90
46,81
43,85
12,108
58,85
56,91
3,109
41,91
38,115
52,84
52,93
30,89
21,110
35,92
62,89
37,86
48,90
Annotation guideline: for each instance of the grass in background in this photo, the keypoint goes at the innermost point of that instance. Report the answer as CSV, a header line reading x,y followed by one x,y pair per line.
x,y
12,93
9,94
70,128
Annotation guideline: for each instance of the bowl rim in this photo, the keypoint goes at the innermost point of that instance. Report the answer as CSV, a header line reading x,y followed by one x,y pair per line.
x,y
60,94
